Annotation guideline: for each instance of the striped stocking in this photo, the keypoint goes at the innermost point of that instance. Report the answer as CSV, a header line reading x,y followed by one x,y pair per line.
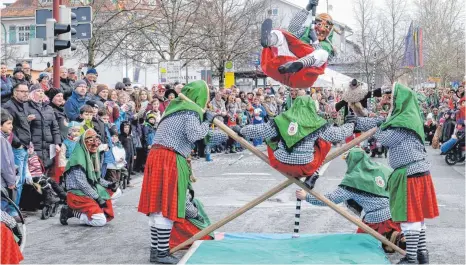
x,y
422,241
163,241
307,61
153,237
412,240
76,214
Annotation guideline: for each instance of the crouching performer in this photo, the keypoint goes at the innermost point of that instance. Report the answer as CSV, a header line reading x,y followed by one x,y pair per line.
x,y
88,195
412,193
364,189
165,198
298,139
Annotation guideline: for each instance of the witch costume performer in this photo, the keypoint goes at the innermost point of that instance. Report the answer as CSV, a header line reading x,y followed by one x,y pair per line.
x,y
88,196
363,188
412,192
298,139
167,197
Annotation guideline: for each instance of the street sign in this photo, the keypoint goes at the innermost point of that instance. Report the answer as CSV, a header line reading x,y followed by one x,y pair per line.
x,y
229,67
170,71
81,21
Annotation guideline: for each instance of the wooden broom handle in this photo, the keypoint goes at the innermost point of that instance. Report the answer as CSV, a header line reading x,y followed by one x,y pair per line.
x,y
285,184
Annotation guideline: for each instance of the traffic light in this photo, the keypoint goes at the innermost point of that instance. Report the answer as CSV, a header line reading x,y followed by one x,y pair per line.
x,y
66,18
54,29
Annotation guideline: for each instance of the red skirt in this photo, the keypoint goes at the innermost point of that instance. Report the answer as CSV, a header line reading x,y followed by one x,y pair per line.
x,y
270,61
383,227
11,254
89,206
354,136
421,201
160,185
321,149
184,231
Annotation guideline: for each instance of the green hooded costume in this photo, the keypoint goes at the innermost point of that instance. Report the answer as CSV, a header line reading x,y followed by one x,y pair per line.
x,y
405,114
364,174
198,92
298,122
90,164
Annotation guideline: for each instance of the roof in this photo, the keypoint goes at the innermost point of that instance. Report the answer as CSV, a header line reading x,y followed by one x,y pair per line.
x,y
26,8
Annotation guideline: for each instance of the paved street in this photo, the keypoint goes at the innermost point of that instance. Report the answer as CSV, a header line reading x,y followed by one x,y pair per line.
x,y
223,188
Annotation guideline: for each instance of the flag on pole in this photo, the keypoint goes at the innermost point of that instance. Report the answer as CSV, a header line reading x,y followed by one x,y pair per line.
x,y
413,55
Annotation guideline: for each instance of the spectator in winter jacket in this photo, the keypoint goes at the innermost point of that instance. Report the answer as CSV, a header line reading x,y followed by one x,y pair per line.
x,y
68,145
7,158
77,100
18,77
44,127
118,152
257,105
160,95
6,84
17,106
44,81
72,76
91,77
57,103
27,72
150,126
126,140
66,84
101,95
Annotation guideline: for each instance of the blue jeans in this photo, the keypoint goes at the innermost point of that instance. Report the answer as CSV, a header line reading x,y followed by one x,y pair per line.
x,y
21,160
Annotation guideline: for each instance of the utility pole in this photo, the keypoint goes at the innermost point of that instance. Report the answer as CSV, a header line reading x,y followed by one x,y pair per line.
x,y
56,59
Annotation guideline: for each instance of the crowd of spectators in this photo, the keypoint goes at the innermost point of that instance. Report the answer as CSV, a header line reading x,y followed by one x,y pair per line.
x,y
48,120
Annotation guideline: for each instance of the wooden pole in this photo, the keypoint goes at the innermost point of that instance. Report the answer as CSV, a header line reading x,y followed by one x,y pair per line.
x,y
285,184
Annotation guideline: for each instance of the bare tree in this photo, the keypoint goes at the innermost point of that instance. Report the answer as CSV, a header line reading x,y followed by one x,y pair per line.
x,y
112,27
392,22
443,38
366,36
229,30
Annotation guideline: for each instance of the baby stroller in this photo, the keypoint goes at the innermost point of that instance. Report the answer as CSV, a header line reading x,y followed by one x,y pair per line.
x,y
455,154
44,193
20,233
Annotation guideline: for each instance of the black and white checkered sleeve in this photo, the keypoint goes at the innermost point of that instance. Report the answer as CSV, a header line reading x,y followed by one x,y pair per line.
x,y
217,137
365,124
335,134
191,210
195,130
263,130
337,196
8,220
104,182
391,137
296,26
76,180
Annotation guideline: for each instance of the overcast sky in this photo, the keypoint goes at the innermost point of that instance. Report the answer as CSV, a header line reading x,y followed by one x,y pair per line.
x,y
342,10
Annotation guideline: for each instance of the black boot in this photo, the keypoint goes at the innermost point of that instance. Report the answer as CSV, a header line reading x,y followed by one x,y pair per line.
x,y
406,260
166,258
311,4
423,256
153,255
266,28
65,214
291,67
311,181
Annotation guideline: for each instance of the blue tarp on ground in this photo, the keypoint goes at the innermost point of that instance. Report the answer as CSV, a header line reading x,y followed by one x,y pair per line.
x,y
282,249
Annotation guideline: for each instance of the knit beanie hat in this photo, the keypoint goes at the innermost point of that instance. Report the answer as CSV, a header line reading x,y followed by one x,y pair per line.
x,y
43,75
17,70
72,124
92,103
101,88
79,83
91,71
120,86
35,87
51,93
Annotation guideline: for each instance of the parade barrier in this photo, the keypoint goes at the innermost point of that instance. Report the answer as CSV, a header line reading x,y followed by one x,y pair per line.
x,y
252,248
285,184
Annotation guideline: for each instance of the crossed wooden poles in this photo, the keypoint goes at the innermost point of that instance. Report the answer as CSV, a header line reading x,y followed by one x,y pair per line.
x,y
282,186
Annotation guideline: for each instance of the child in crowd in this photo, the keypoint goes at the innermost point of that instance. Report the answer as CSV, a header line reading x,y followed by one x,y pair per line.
x,y
8,168
150,126
114,169
126,140
86,113
74,131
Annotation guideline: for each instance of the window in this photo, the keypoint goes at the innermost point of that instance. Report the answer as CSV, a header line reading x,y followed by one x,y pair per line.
x,y
23,33
273,12
46,1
